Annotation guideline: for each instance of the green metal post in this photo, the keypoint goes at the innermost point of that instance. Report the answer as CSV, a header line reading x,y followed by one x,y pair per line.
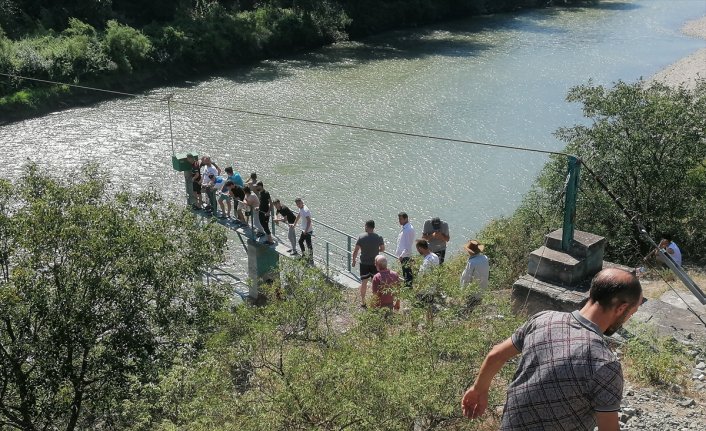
x,y
572,186
349,254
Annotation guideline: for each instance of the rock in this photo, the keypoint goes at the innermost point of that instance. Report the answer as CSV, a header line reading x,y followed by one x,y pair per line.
x,y
701,366
629,411
629,393
687,403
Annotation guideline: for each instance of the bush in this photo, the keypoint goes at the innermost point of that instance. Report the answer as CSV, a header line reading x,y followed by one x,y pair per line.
x,y
127,47
655,360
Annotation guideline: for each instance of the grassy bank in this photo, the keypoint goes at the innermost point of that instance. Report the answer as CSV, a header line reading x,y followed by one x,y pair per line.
x,y
124,45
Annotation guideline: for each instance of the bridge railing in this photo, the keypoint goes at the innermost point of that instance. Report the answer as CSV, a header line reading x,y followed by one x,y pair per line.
x,y
337,253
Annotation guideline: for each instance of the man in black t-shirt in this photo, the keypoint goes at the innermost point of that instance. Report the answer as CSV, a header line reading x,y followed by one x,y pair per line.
x,y
369,244
289,217
264,212
239,194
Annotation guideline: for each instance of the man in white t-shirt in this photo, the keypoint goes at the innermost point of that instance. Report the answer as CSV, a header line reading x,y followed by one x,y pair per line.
x,y
427,296
209,172
669,247
306,226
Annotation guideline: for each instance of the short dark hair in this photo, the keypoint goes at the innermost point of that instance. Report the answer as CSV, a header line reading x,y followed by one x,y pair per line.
x,y
259,183
276,201
246,189
422,243
403,215
229,170
253,176
230,183
370,224
613,286
667,236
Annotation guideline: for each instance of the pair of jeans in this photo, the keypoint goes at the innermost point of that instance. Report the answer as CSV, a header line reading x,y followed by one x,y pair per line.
x,y
292,235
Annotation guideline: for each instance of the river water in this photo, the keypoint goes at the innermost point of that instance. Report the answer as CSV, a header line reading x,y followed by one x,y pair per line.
x,y
498,79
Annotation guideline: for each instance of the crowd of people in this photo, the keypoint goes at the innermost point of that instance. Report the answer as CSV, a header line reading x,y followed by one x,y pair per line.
x,y
244,203
432,249
248,203
567,377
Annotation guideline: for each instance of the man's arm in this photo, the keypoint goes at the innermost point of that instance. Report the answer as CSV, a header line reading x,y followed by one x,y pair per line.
x,y
475,400
382,247
607,421
355,253
308,224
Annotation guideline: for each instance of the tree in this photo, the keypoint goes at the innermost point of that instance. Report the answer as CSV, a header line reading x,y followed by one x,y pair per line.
x,y
99,295
306,361
647,142
643,140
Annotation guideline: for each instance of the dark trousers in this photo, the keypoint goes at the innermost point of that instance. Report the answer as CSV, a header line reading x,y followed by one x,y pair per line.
x,y
441,254
407,271
264,221
305,237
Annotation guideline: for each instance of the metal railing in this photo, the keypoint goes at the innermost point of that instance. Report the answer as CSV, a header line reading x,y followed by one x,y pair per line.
x,y
332,250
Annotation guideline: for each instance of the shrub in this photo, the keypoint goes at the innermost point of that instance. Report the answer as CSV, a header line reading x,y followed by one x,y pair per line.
x,y
126,46
655,360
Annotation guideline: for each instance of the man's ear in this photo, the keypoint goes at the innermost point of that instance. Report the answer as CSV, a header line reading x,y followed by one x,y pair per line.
x,y
620,308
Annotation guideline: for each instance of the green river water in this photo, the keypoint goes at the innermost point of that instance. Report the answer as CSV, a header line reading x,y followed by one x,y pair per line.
x,y
498,79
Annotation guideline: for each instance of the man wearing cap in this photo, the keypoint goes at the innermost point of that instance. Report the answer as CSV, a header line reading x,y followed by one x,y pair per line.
x,y
436,232
477,268
567,376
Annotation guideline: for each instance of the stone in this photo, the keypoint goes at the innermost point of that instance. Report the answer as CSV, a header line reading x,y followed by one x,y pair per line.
x,y
687,403
629,393
701,366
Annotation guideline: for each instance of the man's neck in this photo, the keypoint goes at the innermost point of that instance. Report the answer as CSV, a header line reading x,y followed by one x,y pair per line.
x,y
594,312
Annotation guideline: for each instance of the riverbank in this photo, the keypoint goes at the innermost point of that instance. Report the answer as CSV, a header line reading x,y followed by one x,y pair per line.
x,y
688,70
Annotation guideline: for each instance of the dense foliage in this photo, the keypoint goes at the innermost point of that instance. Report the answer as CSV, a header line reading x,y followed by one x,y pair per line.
x,y
647,142
307,361
105,324
99,296
116,43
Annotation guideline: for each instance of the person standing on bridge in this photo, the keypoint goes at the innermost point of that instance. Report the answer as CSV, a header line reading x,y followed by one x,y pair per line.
x,y
264,213
209,172
234,176
405,245
307,229
253,203
436,232
567,377
287,216
369,244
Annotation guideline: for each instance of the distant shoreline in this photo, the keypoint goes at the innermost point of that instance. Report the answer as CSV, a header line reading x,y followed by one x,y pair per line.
x,y
690,69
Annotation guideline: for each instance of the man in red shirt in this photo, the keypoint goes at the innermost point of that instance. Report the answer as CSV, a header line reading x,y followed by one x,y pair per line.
x,y
384,283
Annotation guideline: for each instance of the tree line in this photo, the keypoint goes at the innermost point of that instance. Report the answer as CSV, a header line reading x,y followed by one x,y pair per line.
x,y
127,43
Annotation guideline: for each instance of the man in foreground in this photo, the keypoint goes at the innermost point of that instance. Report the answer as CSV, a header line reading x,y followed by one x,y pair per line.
x,y
567,377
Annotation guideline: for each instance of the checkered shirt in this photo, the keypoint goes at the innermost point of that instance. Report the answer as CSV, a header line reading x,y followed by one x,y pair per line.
x,y
566,374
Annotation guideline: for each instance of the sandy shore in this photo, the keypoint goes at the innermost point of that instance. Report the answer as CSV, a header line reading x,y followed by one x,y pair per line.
x,y
692,68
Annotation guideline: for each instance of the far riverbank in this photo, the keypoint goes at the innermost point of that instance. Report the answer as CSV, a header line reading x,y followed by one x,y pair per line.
x,y
692,68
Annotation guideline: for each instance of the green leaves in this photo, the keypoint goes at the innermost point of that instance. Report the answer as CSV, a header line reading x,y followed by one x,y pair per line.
x,y
99,293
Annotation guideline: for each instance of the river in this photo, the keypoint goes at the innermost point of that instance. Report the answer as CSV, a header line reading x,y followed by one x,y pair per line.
x,y
498,79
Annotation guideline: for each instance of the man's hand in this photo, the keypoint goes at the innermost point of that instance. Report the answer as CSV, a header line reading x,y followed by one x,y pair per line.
x,y
474,403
